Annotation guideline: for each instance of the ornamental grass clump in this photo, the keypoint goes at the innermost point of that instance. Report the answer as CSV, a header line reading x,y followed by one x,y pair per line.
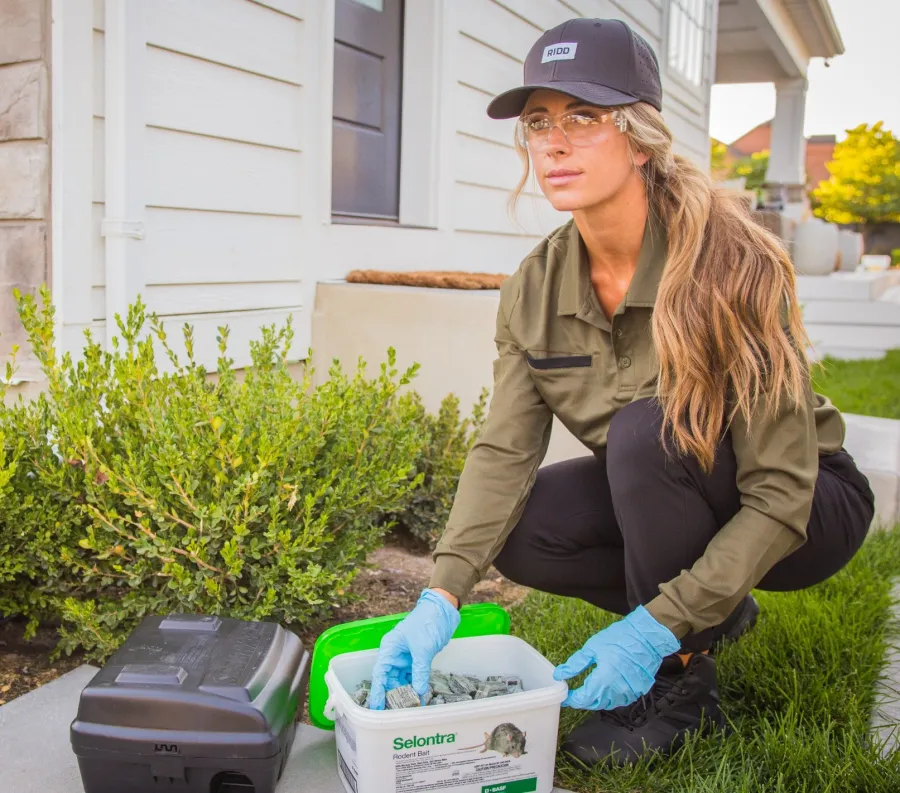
x,y
255,498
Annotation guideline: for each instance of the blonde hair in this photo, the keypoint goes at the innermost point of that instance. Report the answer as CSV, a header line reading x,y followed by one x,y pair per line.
x,y
727,326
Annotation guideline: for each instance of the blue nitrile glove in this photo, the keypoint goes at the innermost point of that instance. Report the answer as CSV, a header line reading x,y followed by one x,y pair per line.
x,y
406,652
627,655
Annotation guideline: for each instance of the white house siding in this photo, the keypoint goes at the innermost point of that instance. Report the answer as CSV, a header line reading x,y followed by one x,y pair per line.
x,y
223,177
493,39
483,45
236,106
480,47
685,106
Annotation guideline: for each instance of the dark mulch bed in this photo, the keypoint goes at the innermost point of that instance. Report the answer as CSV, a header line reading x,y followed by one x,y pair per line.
x,y
25,665
390,583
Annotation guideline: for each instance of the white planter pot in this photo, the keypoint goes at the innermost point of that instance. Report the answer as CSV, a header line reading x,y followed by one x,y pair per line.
x,y
851,246
816,245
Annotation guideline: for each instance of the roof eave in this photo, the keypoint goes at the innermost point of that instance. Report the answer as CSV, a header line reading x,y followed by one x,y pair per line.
x,y
831,36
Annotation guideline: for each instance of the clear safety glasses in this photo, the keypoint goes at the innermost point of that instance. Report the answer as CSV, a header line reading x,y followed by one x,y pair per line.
x,y
582,127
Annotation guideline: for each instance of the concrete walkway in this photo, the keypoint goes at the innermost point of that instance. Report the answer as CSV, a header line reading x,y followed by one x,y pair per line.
x,y
886,713
874,443
36,756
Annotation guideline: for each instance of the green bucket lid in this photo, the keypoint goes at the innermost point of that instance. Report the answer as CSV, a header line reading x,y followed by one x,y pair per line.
x,y
476,619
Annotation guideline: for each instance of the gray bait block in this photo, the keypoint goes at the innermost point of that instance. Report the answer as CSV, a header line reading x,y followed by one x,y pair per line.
x,y
402,697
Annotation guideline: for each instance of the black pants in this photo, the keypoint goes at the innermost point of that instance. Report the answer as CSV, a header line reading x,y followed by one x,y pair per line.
x,y
610,528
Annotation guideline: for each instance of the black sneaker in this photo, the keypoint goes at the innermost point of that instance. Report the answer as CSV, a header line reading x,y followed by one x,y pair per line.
x,y
683,700
742,622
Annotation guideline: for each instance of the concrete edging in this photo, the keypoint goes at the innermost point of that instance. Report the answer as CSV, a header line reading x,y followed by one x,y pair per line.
x,y
874,443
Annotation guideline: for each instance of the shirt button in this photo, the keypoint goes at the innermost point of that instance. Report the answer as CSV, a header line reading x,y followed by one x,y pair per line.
x,y
624,362
620,333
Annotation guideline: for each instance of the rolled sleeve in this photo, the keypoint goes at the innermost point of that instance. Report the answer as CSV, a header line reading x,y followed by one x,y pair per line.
x,y
501,467
777,467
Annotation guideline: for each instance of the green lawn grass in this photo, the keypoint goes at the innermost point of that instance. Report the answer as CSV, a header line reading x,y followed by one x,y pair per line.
x,y
798,690
868,387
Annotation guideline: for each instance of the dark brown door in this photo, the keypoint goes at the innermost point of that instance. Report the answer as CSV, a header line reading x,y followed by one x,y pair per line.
x,y
368,61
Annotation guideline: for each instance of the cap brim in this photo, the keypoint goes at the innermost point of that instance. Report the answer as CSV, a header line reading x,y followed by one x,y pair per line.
x,y
510,104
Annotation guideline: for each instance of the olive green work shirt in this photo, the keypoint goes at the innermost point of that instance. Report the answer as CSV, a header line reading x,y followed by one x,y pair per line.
x,y
559,355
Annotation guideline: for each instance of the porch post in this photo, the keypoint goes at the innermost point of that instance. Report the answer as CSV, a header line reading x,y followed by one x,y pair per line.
x,y
786,174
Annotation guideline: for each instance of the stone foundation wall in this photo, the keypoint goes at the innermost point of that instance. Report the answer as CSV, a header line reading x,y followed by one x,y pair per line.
x,y
24,164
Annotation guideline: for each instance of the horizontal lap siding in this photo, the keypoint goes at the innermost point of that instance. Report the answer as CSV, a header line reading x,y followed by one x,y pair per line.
x,y
485,69
259,248
225,152
686,107
197,172
686,116
236,33
484,210
469,109
510,26
494,37
192,95
489,164
691,136
645,16
244,327
227,106
224,106
492,41
495,26
175,299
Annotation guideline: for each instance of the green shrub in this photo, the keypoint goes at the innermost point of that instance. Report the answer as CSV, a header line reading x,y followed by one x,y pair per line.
x,y
14,543
41,514
447,439
895,257
257,499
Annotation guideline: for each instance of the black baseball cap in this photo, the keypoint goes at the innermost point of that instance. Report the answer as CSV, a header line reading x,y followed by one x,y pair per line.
x,y
600,61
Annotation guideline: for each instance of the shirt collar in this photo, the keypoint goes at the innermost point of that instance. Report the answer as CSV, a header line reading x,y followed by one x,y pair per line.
x,y
575,288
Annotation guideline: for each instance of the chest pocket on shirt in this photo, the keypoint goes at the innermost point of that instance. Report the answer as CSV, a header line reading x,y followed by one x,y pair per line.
x,y
567,384
559,361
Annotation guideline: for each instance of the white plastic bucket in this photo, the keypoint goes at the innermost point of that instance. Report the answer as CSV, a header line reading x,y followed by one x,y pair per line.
x,y
449,747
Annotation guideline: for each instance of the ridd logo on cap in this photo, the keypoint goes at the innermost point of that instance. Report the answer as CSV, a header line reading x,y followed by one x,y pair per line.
x,y
560,52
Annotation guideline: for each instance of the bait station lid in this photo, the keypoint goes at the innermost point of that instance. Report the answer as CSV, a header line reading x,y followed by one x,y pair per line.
x,y
199,702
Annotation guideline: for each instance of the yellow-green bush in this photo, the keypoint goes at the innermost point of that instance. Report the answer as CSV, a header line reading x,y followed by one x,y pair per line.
x,y
126,490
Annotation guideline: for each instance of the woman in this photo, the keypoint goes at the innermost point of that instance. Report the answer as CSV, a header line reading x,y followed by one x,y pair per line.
x,y
661,326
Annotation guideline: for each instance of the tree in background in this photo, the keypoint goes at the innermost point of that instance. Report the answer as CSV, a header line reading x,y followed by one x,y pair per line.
x,y
865,179
718,159
753,168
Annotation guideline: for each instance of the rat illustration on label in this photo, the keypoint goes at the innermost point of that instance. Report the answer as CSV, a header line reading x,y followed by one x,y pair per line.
x,y
505,739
